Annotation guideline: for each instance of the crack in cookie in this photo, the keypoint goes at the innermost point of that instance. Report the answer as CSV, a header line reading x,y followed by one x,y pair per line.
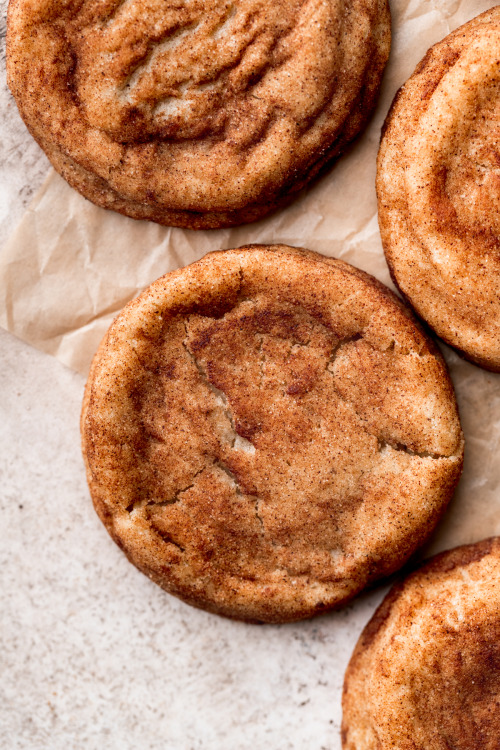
x,y
279,419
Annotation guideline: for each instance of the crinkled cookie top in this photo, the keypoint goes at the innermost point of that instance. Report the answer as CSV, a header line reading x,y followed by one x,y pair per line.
x,y
439,189
195,113
425,674
267,430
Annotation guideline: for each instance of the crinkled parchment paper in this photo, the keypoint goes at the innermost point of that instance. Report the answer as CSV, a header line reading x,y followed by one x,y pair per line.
x,y
70,266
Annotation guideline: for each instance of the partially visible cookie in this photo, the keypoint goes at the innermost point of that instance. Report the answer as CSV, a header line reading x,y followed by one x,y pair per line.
x,y
195,114
267,430
425,674
438,188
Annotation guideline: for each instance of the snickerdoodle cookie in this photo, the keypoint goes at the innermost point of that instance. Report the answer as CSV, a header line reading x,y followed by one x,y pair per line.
x,y
439,189
195,114
425,674
267,430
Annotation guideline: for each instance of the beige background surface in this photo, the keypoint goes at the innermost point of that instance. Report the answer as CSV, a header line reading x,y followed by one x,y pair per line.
x,y
91,653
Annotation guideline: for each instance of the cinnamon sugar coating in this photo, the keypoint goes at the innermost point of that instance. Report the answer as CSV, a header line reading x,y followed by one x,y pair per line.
x,y
195,114
267,430
438,187
425,674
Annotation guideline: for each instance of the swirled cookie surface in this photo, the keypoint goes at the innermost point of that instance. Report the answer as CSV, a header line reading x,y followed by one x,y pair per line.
x,y
266,431
425,674
197,113
439,189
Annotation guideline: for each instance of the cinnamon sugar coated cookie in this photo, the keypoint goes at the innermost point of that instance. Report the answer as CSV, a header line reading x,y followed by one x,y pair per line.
x,y
195,114
439,189
425,674
267,430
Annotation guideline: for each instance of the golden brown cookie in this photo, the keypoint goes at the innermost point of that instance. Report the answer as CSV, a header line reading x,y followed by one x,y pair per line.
x,y
196,114
439,189
425,674
267,430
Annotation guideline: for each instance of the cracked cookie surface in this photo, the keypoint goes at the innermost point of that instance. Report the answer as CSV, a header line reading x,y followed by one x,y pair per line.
x,y
438,185
425,674
268,430
196,114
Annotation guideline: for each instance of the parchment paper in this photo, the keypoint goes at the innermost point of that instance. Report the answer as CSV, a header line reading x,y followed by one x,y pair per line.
x,y
70,266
